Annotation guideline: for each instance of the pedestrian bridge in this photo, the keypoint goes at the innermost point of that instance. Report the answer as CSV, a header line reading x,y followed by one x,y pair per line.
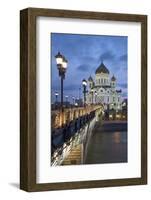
x,y
71,131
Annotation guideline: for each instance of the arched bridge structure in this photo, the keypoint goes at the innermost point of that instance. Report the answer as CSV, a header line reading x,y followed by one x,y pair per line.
x,y
71,133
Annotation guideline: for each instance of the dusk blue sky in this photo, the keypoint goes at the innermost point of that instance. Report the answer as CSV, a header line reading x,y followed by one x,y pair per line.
x,y
84,54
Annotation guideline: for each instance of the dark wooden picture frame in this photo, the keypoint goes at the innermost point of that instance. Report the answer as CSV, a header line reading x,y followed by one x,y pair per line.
x,y
28,98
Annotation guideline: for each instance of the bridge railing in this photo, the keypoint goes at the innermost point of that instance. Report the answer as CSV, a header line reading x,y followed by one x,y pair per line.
x,y
58,118
67,125
62,135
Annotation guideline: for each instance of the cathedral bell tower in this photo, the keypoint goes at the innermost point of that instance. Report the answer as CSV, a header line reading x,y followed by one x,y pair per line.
x,y
91,82
113,82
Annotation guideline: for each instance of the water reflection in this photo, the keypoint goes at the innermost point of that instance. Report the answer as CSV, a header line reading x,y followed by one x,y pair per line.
x,y
104,147
107,147
117,137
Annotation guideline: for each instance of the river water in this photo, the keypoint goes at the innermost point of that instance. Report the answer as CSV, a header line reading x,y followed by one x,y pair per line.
x,y
107,147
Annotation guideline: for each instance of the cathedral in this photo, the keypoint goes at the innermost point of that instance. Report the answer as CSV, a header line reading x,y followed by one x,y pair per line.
x,y
102,89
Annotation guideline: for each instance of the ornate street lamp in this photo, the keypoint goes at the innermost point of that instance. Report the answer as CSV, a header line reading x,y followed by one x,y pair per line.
x,y
56,95
62,67
92,95
84,83
66,100
95,93
56,101
73,99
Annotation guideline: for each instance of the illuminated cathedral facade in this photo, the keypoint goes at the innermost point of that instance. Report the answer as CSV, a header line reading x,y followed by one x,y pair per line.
x,y
102,89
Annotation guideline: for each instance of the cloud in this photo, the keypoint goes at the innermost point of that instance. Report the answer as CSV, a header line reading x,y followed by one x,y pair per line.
x,y
107,55
84,67
88,59
71,87
123,57
123,85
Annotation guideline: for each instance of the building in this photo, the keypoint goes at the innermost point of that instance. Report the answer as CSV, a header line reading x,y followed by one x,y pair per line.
x,y
102,89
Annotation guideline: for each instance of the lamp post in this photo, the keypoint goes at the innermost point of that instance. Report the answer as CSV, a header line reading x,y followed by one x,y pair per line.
x,y
66,99
79,92
56,101
73,100
95,93
56,95
92,96
84,83
62,67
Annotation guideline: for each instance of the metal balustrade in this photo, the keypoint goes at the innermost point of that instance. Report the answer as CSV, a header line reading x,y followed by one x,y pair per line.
x,y
68,128
64,134
58,118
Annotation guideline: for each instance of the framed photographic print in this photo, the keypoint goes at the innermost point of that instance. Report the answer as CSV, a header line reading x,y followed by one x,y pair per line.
x,y
83,99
